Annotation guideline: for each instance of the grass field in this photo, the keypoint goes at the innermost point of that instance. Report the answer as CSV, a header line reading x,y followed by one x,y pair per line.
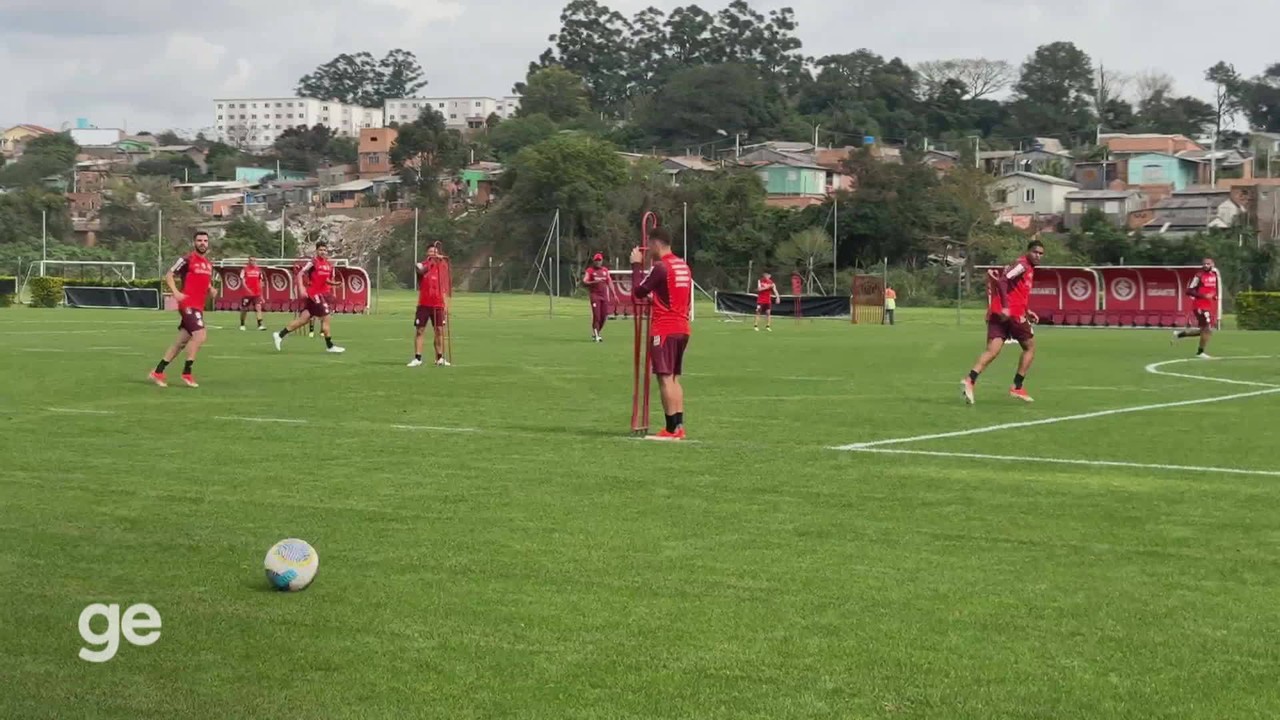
x,y
493,545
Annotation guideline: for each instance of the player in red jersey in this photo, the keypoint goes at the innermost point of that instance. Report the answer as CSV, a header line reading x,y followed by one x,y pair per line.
x,y
766,295
251,276
314,280
434,286
196,271
669,284
311,324
599,281
1203,289
1010,318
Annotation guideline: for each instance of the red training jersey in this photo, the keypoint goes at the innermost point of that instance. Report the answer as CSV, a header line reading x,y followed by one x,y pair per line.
x,y
434,283
252,277
670,284
317,272
195,271
597,278
764,292
1204,288
1011,288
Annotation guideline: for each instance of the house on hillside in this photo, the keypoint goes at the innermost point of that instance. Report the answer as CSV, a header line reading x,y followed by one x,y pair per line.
x,y
677,167
1115,204
793,184
1039,162
1149,171
480,181
13,140
198,156
1139,143
1260,200
1187,212
1021,196
1100,174
375,152
941,160
1228,163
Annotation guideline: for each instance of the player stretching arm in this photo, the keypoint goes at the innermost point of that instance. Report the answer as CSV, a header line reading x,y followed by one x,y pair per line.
x,y
433,284
598,281
669,285
1204,289
766,295
197,276
314,280
1008,317
251,280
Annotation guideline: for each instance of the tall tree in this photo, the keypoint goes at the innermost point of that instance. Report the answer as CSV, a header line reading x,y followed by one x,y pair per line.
x,y
1259,99
359,79
1109,87
701,102
572,173
1163,113
1054,93
53,154
593,43
980,77
425,150
1226,82
555,93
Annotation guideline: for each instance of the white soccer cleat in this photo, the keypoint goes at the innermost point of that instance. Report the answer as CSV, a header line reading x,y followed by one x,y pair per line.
x,y
312,333
966,388
1173,338
336,349
241,328
262,328
416,362
1204,356
442,363
275,337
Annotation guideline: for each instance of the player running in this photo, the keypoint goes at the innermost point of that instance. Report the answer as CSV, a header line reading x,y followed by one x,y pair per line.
x,y
196,272
670,285
1204,289
766,295
434,285
251,277
1008,317
597,278
311,324
314,280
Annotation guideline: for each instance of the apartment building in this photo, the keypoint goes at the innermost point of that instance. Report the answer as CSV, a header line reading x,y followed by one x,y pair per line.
x,y
255,123
459,112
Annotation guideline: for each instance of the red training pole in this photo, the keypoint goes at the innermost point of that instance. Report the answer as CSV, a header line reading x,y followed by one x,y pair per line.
x,y
639,401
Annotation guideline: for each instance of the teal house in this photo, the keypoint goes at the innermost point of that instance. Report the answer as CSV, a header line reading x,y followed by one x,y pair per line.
x,y
1162,169
255,175
793,184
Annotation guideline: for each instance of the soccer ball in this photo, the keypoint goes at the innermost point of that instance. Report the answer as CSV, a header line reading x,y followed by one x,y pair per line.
x,y
291,564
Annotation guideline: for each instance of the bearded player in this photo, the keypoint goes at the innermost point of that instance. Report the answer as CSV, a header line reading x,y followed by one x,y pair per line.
x,y
196,272
251,278
1203,289
434,285
670,285
598,280
1010,318
314,280
766,296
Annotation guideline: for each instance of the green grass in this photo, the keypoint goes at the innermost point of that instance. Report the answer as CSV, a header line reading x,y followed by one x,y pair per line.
x,y
546,566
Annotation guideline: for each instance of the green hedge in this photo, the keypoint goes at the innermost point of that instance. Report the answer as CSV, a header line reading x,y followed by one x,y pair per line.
x,y
153,283
1258,310
6,298
46,292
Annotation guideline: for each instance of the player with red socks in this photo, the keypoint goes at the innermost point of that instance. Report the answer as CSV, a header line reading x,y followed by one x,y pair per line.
x,y
251,277
315,279
766,295
434,285
598,280
196,271
1010,318
1203,289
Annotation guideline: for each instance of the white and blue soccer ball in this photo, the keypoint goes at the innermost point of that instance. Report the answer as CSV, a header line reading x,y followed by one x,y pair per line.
x,y
291,565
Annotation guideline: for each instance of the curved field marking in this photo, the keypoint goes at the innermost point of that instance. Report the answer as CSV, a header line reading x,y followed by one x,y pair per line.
x,y
1069,461
1153,368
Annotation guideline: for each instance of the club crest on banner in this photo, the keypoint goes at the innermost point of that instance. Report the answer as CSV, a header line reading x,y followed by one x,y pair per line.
x,y
231,279
356,283
279,283
1079,289
1123,288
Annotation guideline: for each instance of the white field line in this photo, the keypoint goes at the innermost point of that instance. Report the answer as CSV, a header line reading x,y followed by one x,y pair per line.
x,y
43,350
76,411
1152,368
261,420
1067,461
435,428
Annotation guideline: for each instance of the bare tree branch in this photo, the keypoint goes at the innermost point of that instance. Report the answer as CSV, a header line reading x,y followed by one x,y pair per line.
x,y
1150,84
980,76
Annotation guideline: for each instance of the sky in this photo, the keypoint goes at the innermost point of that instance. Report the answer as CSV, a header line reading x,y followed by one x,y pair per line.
x,y
157,64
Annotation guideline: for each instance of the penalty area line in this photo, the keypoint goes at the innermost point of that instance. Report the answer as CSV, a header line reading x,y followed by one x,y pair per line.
x,y
1071,461
236,418
75,411
435,428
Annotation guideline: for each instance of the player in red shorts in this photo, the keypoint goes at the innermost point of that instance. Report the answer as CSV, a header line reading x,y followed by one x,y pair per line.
x,y
1203,288
311,324
196,272
251,277
669,284
434,285
766,293
1009,318
314,280
597,278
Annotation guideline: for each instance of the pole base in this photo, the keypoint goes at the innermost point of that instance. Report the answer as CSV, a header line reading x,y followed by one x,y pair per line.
x,y
639,432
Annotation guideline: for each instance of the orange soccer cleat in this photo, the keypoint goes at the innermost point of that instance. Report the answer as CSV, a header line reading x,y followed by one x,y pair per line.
x,y
190,380
1019,393
158,378
667,436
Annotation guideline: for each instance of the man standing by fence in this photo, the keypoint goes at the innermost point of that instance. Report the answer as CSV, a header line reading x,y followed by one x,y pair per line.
x,y
890,303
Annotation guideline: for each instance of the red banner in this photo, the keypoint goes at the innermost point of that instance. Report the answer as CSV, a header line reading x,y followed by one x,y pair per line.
x,y
352,295
1062,291
278,290
280,295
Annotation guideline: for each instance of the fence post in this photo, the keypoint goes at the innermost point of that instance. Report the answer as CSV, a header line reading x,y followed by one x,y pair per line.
x,y
490,286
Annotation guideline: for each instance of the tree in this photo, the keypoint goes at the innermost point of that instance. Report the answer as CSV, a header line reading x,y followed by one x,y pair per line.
x,y
980,77
304,148
1109,86
175,166
1161,113
44,156
554,93
359,79
1151,83
512,136
1259,99
807,248
700,103
247,235
425,150
1053,95
572,173
1226,103
592,43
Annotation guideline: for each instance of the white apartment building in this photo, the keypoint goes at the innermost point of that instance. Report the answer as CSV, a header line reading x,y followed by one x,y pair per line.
x,y
458,112
255,123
